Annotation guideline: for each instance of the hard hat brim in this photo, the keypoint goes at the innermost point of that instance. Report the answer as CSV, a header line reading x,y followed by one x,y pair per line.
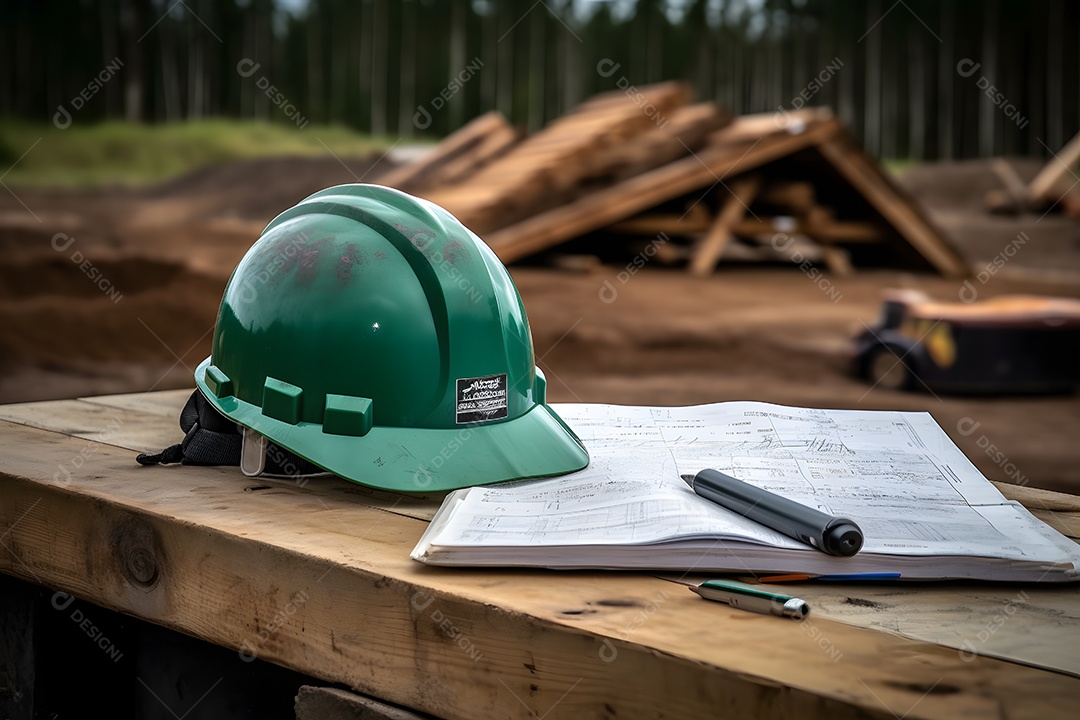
x,y
422,460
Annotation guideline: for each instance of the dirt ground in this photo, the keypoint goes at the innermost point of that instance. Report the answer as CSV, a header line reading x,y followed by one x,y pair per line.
x,y
113,291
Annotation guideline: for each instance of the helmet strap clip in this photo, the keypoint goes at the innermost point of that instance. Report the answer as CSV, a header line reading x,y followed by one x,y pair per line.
x,y
253,453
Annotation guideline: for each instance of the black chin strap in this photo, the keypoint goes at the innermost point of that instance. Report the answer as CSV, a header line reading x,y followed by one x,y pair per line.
x,y
168,456
210,438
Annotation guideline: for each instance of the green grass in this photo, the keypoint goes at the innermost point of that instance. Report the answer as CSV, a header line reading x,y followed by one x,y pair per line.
x,y
898,167
120,153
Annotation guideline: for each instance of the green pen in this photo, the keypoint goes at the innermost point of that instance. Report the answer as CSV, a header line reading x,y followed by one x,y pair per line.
x,y
748,597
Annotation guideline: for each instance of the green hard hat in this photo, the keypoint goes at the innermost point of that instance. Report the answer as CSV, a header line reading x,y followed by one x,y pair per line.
x,y
371,333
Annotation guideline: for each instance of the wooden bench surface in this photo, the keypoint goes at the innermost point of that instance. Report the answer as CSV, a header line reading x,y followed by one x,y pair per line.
x,y
317,577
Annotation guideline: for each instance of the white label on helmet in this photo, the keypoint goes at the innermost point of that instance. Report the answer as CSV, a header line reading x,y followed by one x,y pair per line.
x,y
481,398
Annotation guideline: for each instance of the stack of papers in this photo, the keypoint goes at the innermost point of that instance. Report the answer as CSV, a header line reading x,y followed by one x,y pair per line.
x,y
926,512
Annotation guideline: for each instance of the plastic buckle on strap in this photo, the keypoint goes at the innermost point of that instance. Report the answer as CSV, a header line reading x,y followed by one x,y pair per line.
x,y
253,453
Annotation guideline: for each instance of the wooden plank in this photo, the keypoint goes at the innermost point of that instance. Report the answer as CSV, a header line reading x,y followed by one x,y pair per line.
x,y
491,146
136,426
740,194
1056,168
751,128
622,200
327,588
166,403
1032,634
893,205
830,232
128,428
547,166
685,131
837,260
1016,192
413,175
694,222
797,196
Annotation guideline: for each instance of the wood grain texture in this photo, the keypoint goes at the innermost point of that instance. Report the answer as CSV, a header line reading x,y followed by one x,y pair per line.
x,y
320,580
471,146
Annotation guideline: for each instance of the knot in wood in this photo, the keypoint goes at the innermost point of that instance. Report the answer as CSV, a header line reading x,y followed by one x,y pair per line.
x,y
137,547
141,566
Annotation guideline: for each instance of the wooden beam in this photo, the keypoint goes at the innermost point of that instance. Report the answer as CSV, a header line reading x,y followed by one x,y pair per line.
x,y
740,194
828,232
1056,168
1016,191
750,128
893,204
696,222
837,260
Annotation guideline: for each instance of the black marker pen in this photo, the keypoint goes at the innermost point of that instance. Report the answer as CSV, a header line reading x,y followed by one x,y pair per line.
x,y
832,535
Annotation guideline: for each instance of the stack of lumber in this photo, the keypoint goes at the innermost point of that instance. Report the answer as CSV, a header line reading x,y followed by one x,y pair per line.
x,y
604,139
651,162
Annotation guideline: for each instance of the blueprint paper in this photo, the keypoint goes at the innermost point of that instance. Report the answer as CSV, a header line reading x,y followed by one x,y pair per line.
x,y
897,474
